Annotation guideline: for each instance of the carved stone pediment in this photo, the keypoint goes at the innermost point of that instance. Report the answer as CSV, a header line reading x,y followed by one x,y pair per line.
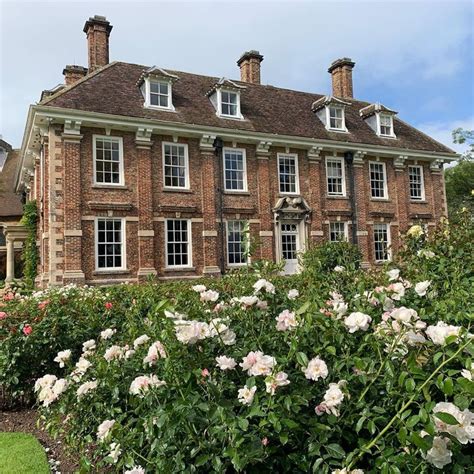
x,y
292,208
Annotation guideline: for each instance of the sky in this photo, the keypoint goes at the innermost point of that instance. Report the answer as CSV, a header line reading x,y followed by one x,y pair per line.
x,y
414,57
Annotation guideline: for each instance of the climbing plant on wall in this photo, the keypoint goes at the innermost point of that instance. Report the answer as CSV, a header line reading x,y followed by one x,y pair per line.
x,y
30,251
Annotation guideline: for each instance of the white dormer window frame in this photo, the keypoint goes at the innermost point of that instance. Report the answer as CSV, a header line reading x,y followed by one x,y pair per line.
x,y
148,92
381,115
220,103
342,128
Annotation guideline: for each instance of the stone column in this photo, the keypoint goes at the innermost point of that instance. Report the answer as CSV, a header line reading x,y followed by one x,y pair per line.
x,y
316,191
10,276
210,185
362,200
402,199
73,272
264,203
146,234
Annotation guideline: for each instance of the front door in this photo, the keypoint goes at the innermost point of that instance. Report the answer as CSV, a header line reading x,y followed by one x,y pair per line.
x,y
290,246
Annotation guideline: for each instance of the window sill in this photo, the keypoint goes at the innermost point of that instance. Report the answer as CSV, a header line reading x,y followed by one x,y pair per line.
x,y
293,195
415,201
239,193
231,117
337,130
110,186
177,190
335,196
111,271
156,107
380,199
179,269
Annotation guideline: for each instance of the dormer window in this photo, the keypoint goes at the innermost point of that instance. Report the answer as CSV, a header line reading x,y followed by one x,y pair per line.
x,y
225,97
230,103
380,119
336,118
331,111
386,125
157,88
160,94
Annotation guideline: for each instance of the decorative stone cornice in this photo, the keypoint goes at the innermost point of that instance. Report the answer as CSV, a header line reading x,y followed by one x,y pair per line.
x,y
359,157
314,153
399,161
207,143
263,147
436,165
72,127
143,137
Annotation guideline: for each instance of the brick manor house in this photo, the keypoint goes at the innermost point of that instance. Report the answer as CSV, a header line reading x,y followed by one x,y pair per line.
x,y
141,170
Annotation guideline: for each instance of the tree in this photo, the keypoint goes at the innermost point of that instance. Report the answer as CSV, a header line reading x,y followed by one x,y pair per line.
x,y
460,178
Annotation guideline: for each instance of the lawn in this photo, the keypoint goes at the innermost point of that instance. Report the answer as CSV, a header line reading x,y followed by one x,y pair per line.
x,y
21,453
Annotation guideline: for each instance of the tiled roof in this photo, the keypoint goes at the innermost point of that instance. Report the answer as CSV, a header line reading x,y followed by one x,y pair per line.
x,y
10,203
266,109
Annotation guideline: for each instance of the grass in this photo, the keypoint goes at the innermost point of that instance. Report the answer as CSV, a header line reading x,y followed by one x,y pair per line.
x,y
21,453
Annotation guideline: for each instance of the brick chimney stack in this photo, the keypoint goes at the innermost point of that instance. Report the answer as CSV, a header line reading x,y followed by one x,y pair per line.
x,y
249,64
72,73
97,29
341,72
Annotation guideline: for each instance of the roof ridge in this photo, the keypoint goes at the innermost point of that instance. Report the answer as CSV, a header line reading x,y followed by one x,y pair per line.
x,y
80,81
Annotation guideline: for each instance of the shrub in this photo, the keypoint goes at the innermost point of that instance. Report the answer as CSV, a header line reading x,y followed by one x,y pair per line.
x,y
313,373
30,250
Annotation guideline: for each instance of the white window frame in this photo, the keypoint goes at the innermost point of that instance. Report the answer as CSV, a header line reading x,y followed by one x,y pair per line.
x,y
123,244
343,167
186,162
345,231
238,115
389,241
379,125
148,103
385,183
190,244
120,162
227,244
328,118
422,184
297,173
244,177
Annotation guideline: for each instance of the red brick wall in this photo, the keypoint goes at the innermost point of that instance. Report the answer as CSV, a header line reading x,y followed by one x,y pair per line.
x,y
149,204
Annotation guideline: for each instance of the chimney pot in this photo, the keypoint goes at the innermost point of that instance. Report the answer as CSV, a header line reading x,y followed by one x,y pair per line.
x,y
97,29
341,72
249,64
72,73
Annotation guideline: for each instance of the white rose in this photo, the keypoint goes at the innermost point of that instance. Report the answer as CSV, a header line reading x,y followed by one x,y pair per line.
x,y
199,288
113,352
264,284
356,321
441,331
62,357
439,455
140,340
104,428
135,470
115,452
333,396
316,369
107,333
464,430
86,387
404,315
339,268
209,295
293,294
393,274
226,363
421,287
245,395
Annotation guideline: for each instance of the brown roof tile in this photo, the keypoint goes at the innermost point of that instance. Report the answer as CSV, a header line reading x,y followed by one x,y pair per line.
x,y
10,203
267,109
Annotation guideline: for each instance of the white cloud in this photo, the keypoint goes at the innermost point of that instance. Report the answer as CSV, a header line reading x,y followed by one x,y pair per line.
x,y
442,131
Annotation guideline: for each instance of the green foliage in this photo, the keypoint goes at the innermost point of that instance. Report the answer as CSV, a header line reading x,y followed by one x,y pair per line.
x,y
30,250
460,186
325,257
195,423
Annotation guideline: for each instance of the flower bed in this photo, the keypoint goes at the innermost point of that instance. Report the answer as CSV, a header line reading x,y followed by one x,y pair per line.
x,y
327,371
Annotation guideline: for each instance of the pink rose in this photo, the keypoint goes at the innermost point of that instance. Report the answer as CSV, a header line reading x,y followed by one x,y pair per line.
x,y
108,305
265,441
43,304
8,296
205,373
3,315
27,329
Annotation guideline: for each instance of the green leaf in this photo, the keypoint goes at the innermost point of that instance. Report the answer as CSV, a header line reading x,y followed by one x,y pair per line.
x,y
335,450
448,386
420,442
302,358
466,385
316,465
410,385
446,418
360,423
243,424
331,350
284,438
201,460
412,421
303,308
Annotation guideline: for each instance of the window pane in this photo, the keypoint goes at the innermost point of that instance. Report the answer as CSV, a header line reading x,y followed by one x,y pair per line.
x,y
287,174
229,103
334,174
236,242
234,170
109,245
381,242
337,231
377,180
175,169
415,174
177,242
108,160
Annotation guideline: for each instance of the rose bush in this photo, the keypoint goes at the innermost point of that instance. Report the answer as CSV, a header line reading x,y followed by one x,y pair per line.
x,y
328,371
